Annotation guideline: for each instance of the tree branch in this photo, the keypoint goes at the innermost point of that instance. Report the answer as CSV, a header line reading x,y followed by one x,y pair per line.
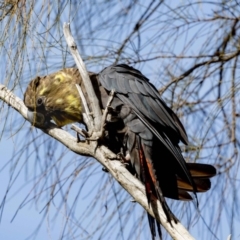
x,y
94,104
215,59
103,155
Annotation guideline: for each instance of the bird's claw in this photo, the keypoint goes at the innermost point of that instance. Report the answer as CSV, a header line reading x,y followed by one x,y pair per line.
x,y
96,135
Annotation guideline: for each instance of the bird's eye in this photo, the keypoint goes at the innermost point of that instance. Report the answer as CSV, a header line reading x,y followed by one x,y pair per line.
x,y
39,101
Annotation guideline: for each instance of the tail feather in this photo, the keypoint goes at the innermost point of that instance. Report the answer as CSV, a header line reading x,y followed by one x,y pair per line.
x,y
151,221
202,185
200,174
184,196
199,170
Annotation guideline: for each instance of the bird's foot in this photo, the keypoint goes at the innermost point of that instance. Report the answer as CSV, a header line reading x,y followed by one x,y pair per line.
x,y
79,131
124,159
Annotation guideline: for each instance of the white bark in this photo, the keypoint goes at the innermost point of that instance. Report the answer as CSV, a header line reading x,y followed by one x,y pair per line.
x,y
105,157
94,104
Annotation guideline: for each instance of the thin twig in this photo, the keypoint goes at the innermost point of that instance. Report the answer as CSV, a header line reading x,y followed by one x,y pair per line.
x,y
223,58
79,130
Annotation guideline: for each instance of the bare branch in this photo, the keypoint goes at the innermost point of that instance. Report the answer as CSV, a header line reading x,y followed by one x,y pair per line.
x,y
88,119
143,18
103,155
94,104
217,59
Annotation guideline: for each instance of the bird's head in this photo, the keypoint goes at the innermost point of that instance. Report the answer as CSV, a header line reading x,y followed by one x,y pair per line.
x,y
55,97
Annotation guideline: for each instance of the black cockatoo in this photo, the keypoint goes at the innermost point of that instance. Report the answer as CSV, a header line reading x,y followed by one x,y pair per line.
x,y
143,128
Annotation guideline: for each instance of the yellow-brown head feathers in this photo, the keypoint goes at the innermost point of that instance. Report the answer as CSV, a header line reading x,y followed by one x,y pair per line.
x,y
56,96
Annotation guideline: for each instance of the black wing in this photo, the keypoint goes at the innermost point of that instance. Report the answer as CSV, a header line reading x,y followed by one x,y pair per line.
x,y
135,90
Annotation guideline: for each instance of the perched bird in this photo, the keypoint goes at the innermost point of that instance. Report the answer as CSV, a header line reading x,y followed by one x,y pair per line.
x,y
144,130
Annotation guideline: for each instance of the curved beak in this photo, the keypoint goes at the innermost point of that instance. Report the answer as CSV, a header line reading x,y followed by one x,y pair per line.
x,y
36,118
